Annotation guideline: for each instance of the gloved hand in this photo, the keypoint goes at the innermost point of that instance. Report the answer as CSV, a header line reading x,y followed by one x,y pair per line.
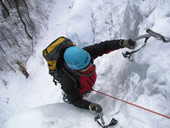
x,y
128,43
95,108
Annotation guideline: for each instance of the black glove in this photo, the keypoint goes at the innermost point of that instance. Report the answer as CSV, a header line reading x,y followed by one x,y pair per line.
x,y
128,43
95,108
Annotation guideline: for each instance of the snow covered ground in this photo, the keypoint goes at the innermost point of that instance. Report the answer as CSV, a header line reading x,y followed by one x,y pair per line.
x,y
51,116
144,82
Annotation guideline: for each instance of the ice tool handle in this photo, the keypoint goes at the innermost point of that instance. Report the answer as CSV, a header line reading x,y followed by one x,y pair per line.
x,y
99,116
149,34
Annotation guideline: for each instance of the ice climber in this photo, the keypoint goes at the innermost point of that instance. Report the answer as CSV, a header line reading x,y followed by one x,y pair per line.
x,y
74,69
80,69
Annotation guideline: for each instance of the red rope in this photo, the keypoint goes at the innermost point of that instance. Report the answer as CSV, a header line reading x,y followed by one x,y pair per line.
x,y
131,104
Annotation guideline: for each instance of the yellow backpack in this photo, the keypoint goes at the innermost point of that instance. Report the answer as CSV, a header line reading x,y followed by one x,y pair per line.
x,y
55,51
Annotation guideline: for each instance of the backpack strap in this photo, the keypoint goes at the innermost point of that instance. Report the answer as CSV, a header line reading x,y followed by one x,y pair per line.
x,y
62,66
72,75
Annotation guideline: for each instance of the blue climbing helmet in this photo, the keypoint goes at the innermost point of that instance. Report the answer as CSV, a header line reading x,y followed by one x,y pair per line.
x,y
76,58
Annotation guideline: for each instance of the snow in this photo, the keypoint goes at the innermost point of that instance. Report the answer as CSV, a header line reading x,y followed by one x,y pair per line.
x,y
53,115
144,82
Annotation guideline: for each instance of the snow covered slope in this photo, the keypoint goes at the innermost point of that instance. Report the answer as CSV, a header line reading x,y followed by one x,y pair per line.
x,y
145,82
59,115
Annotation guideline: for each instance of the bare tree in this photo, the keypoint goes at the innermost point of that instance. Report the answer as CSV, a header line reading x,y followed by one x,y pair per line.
x,y
18,32
6,39
20,16
5,8
25,4
9,4
2,49
9,65
14,39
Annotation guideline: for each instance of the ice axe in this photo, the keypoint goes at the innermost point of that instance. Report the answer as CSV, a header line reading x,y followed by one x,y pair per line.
x,y
99,116
149,33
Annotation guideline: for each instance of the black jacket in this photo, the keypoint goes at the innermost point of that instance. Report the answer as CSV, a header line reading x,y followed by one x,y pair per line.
x,y
68,79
